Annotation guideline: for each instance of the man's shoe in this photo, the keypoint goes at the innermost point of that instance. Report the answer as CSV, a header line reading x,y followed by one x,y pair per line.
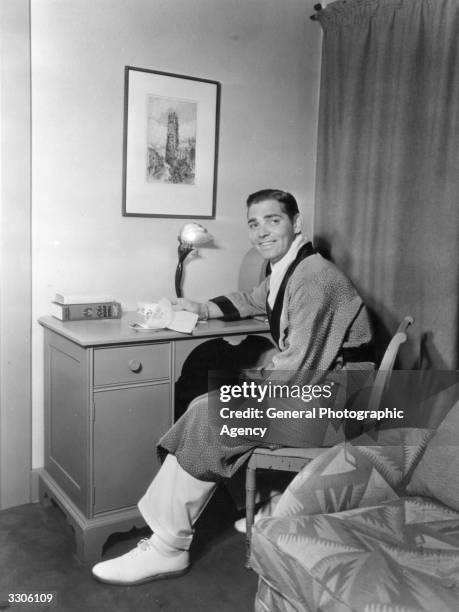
x,y
141,564
264,510
241,524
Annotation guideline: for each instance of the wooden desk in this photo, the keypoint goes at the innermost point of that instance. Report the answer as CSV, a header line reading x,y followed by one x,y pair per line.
x,y
109,397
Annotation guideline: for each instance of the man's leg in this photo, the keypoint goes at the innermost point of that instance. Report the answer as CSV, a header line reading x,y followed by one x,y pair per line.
x,y
171,506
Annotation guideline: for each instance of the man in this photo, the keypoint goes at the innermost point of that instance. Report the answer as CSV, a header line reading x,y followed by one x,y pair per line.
x,y
319,324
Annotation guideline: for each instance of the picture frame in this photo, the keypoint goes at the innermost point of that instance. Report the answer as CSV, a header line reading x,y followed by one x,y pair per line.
x,y
170,145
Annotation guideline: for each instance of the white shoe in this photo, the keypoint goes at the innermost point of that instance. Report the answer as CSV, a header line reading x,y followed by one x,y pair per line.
x,y
241,524
265,510
141,564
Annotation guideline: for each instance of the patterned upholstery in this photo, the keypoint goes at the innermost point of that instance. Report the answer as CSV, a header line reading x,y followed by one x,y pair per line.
x,y
345,536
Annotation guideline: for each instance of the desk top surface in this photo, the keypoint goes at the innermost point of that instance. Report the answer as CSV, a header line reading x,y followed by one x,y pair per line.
x,y
118,331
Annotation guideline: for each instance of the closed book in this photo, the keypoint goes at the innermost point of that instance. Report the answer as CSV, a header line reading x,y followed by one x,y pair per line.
x,y
79,298
80,312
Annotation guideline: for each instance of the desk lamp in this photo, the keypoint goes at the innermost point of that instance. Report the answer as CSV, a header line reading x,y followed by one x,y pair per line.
x,y
191,235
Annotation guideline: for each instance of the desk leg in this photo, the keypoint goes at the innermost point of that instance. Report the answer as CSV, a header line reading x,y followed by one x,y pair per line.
x,y
90,534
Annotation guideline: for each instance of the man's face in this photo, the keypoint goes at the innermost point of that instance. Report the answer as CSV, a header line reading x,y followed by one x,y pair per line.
x,y
270,230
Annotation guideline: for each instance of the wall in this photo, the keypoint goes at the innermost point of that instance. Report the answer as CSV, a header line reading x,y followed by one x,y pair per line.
x,y
15,282
265,53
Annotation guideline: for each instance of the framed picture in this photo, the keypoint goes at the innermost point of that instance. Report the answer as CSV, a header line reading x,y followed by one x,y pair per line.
x,y
170,145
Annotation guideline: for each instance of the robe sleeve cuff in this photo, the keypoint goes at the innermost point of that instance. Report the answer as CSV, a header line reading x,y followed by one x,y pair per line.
x,y
229,310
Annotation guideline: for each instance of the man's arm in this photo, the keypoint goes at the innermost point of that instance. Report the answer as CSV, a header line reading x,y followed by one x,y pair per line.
x,y
230,307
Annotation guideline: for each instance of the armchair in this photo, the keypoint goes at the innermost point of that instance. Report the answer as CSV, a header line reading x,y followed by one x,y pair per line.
x,y
349,535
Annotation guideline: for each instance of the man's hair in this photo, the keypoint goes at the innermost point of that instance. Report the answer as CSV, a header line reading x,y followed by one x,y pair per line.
x,y
288,203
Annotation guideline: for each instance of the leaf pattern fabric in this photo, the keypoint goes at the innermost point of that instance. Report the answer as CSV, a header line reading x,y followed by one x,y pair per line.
x,y
345,535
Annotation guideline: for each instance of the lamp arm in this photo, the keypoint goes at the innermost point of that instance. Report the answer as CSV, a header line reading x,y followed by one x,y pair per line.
x,y
183,251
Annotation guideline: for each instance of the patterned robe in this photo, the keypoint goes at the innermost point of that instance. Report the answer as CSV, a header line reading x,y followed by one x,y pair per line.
x,y
320,325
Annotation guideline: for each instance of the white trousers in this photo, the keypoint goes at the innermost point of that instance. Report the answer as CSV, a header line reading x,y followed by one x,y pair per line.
x,y
173,503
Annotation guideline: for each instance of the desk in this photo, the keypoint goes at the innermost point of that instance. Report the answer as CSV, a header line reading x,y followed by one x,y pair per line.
x,y
109,397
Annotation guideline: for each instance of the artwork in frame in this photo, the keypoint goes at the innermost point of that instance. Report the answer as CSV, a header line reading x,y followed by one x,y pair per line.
x,y
170,146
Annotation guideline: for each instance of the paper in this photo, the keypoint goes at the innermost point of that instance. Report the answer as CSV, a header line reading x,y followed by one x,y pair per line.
x,y
160,315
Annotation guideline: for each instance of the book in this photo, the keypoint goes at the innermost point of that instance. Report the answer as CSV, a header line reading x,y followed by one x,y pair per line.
x,y
69,298
88,311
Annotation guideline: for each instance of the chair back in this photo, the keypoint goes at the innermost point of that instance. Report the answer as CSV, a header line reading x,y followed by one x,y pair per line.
x,y
385,370
252,271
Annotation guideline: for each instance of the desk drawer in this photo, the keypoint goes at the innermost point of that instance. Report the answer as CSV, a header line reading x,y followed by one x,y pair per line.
x,y
126,364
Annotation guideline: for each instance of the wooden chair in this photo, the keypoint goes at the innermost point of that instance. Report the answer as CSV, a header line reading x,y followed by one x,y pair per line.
x,y
294,459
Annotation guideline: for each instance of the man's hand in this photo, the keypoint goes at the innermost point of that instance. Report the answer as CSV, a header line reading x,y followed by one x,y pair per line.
x,y
207,310
189,305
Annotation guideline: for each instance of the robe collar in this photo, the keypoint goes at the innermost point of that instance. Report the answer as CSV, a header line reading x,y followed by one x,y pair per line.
x,y
279,268
304,250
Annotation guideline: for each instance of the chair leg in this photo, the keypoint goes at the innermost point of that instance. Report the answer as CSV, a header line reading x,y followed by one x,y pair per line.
x,y
250,486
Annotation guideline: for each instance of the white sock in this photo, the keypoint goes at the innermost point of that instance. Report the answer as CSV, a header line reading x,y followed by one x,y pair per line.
x,y
164,548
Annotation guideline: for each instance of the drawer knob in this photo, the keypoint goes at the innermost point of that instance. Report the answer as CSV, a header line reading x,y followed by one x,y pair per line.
x,y
135,365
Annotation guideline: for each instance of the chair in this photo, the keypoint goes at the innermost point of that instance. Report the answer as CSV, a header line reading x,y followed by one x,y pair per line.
x,y
386,538
294,459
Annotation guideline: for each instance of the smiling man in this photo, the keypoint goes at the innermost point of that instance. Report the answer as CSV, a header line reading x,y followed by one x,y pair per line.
x,y
320,326
272,229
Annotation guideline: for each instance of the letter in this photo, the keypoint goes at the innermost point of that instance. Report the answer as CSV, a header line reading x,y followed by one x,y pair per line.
x,y
236,391
225,393
281,388
326,391
262,389
253,389
222,410
323,412
245,389
295,391
306,393
263,430
316,389
224,430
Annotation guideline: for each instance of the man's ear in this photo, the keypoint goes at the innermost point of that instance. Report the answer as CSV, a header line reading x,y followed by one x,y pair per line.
x,y
298,223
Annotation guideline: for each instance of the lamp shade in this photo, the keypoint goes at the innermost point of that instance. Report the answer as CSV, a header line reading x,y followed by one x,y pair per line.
x,y
194,234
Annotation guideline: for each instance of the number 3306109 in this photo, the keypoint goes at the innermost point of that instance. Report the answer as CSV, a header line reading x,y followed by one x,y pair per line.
x,y
48,598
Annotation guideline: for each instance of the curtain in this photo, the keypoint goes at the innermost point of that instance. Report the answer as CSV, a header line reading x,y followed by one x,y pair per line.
x,y
388,165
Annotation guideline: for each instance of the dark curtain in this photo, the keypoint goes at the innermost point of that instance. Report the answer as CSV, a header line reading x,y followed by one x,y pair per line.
x,y
387,192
